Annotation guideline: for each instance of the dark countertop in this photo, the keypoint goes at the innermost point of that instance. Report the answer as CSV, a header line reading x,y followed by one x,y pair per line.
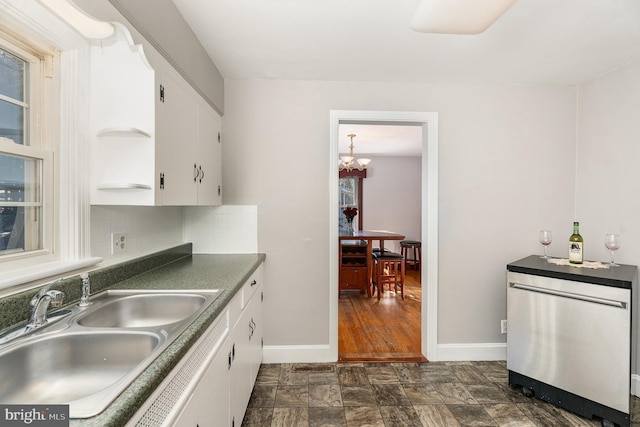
x,y
620,277
227,272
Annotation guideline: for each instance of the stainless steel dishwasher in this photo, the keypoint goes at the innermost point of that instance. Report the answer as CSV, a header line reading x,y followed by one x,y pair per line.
x,y
570,339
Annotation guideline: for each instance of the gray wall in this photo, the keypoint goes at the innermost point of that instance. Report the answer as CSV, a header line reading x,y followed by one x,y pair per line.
x,y
507,166
392,198
608,177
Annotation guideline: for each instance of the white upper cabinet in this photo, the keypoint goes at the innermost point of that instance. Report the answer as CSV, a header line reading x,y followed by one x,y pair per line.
x,y
189,136
209,156
154,139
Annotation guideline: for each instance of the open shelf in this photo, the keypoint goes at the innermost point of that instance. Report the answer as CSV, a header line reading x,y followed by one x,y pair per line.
x,y
123,186
123,132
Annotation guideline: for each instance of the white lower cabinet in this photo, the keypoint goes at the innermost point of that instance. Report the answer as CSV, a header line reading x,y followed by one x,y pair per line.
x,y
211,386
246,356
208,405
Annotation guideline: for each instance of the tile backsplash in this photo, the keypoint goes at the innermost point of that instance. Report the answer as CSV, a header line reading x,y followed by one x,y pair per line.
x,y
147,229
211,229
222,229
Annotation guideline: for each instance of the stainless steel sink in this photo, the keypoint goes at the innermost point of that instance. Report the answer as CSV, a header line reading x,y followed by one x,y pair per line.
x,y
73,366
90,356
140,311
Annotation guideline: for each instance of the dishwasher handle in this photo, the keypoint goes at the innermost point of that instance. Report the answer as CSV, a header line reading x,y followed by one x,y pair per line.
x,y
570,295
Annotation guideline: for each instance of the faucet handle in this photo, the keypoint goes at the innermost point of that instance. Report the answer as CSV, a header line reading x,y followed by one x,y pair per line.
x,y
43,291
57,297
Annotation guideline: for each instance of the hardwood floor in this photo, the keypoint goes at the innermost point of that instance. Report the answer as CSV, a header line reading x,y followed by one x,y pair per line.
x,y
384,330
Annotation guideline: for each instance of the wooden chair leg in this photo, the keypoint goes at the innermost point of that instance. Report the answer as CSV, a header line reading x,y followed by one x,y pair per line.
x,y
402,277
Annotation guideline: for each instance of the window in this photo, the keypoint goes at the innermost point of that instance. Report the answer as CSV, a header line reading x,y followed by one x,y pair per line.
x,y
23,164
43,143
350,194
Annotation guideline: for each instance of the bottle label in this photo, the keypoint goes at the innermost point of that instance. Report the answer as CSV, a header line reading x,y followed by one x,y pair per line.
x,y
575,252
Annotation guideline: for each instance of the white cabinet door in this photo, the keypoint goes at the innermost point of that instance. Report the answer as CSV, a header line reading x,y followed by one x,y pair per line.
x,y
212,395
209,158
240,373
177,135
247,355
189,415
256,340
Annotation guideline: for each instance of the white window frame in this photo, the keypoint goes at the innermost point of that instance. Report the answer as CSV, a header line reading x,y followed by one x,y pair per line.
x,y
63,127
35,147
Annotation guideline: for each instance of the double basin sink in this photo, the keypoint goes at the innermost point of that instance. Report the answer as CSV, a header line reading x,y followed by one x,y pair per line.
x,y
91,354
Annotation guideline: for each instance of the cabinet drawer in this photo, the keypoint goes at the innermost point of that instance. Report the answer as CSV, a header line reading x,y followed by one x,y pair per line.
x,y
250,287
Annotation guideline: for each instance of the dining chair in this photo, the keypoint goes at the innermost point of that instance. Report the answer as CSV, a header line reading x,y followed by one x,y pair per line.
x,y
389,269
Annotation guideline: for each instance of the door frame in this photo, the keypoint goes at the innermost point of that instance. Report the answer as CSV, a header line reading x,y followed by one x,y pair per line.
x,y
429,222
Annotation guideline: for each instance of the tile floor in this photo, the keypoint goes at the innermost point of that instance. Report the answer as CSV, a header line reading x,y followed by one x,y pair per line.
x,y
398,394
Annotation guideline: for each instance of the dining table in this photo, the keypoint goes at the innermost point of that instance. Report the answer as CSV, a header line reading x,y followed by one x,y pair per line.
x,y
369,236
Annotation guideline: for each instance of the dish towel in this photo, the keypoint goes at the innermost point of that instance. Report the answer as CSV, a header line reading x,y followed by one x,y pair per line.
x,y
585,264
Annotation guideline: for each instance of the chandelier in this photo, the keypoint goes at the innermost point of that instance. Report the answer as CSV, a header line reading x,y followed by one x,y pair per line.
x,y
347,162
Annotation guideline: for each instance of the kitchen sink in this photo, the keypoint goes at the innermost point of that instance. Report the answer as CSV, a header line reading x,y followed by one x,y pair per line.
x,y
91,355
72,366
140,311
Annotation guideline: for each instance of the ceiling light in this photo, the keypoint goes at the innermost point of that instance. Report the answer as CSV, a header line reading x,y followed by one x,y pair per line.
x,y
458,16
347,162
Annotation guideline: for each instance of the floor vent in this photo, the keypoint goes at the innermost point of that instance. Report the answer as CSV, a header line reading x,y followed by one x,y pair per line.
x,y
314,368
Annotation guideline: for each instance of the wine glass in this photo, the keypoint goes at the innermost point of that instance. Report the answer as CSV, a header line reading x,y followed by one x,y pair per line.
x,y
612,242
545,239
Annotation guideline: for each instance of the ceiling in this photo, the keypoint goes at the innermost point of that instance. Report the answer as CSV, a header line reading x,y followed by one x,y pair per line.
x,y
535,41
380,140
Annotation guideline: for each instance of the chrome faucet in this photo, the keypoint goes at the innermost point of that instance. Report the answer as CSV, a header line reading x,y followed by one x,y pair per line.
x,y
40,303
86,290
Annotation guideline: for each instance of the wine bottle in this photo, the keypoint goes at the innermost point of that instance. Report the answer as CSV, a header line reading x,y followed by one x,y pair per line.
x,y
576,245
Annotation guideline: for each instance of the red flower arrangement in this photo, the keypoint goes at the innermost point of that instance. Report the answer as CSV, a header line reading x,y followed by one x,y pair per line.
x,y
350,213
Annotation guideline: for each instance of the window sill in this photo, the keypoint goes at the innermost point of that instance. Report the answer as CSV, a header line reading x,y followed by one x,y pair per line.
x,y
49,269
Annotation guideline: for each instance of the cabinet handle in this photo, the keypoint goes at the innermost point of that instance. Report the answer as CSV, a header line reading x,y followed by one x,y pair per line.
x,y
252,328
195,173
219,190
253,283
201,174
230,360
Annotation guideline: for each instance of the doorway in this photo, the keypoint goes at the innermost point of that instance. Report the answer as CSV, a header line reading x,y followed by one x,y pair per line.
x,y
428,123
387,196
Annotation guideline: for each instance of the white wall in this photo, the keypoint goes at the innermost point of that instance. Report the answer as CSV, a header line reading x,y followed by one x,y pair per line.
x,y
608,178
392,197
507,156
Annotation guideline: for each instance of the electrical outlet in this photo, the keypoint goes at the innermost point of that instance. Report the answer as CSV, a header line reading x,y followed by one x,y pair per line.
x,y
118,243
503,326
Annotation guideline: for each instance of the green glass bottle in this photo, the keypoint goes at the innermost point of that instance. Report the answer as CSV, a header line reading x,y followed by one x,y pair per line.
x,y
576,245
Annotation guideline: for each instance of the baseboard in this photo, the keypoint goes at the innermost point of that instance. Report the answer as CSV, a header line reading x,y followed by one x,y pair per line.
x,y
635,384
463,352
323,354
298,354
